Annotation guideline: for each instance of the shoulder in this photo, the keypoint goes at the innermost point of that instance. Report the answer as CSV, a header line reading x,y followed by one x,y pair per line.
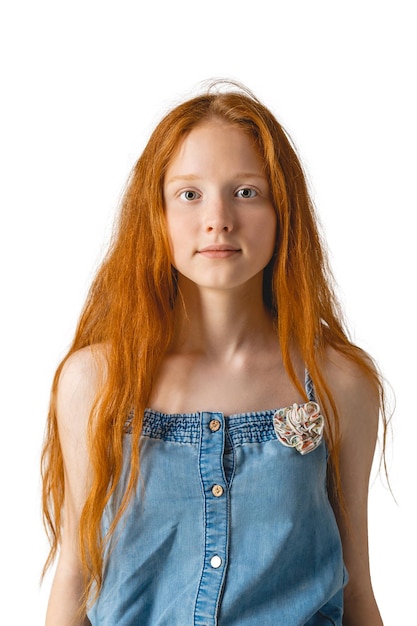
x,y
345,374
85,367
89,362
81,379
354,389
82,376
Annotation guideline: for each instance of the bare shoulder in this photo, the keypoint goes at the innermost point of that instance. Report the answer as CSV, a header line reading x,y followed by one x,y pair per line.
x,y
81,379
345,375
82,376
86,366
355,394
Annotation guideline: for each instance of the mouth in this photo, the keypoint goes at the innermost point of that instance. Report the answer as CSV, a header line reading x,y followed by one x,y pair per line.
x,y
219,251
220,248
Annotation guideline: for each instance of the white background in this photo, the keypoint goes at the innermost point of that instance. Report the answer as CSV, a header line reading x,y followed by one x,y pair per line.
x,y
83,83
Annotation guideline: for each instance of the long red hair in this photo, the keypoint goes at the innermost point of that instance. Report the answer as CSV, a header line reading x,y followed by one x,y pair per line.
x,y
130,309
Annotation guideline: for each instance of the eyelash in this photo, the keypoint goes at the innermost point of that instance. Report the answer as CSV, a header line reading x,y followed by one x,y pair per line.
x,y
196,195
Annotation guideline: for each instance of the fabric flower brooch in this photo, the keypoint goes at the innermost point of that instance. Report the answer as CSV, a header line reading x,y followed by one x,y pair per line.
x,y
300,426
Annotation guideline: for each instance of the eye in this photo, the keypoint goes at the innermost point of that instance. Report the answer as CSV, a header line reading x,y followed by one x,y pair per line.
x,y
189,195
246,192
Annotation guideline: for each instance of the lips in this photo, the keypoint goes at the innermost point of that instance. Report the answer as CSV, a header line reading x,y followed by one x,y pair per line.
x,y
219,247
219,251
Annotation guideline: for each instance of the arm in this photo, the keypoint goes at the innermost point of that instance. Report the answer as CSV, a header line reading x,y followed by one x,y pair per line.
x,y
76,393
358,407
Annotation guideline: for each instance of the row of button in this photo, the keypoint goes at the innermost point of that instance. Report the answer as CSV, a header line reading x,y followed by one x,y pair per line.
x,y
217,491
216,514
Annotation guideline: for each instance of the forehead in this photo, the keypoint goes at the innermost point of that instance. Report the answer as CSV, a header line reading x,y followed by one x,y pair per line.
x,y
215,141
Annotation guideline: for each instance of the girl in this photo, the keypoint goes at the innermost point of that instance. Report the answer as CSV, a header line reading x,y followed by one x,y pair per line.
x,y
240,496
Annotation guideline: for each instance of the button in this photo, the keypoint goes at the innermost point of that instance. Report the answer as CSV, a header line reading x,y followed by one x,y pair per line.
x,y
215,561
217,490
214,425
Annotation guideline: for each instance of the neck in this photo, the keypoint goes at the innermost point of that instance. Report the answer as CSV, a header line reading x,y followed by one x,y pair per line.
x,y
221,324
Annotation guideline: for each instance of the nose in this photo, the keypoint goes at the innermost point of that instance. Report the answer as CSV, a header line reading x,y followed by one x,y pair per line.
x,y
219,217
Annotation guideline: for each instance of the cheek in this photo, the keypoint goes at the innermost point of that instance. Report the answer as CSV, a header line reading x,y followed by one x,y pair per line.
x,y
266,234
172,226
273,229
177,239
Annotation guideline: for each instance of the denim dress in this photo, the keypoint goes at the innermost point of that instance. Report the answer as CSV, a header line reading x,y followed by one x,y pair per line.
x,y
230,525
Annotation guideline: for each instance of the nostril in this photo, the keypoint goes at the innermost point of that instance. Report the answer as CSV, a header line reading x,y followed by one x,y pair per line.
x,y
219,226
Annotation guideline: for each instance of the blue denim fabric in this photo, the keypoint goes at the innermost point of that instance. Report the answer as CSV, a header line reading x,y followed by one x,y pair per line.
x,y
270,525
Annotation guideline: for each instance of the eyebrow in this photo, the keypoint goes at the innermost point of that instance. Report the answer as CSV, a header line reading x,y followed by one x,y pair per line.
x,y
244,175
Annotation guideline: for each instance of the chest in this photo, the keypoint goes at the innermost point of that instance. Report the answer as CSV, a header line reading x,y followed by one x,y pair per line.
x,y
189,384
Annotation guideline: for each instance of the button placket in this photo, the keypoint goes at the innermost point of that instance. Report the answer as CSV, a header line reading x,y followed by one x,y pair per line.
x,y
216,518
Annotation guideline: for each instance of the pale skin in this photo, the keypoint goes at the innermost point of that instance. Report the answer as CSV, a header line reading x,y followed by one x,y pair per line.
x,y
221,225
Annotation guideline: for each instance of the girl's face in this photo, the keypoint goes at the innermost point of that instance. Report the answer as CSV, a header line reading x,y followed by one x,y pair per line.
x,y
220,218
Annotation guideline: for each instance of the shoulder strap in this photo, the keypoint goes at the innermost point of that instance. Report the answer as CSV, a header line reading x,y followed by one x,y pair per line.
x,y
309,387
